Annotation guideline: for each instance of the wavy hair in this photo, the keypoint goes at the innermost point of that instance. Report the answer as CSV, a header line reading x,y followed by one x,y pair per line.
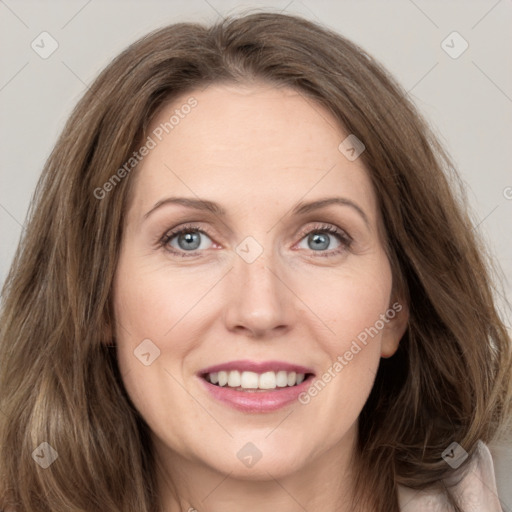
x,y
449,380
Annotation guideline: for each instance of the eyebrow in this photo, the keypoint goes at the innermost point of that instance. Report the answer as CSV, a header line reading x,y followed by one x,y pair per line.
x,y
301,208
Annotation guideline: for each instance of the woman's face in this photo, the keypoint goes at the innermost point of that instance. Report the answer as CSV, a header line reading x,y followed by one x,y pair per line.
x,y
261,287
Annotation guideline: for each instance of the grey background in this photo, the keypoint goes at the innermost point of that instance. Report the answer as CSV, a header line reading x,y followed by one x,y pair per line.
x,y
467,100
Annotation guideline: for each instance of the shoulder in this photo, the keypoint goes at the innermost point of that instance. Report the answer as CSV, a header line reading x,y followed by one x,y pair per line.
x,y
477,491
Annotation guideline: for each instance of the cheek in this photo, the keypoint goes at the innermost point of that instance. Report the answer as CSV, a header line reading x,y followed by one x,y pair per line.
x,y
350,302
156,314
150,302
150,315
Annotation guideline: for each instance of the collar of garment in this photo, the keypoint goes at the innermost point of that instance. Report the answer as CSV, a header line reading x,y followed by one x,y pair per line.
x,y
477,491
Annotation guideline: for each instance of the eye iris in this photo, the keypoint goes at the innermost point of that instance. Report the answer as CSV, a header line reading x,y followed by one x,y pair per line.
x,y
191,237
190,240
320,240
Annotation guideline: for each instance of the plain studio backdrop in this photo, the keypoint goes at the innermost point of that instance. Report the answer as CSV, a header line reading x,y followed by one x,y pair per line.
x,y
453,58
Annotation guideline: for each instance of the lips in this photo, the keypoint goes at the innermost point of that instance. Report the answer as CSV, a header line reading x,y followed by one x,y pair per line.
x,y
256,386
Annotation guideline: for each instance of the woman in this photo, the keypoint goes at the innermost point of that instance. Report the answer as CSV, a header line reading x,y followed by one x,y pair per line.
x,y
248,283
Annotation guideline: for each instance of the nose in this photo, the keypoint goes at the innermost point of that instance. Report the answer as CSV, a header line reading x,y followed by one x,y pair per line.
x,y
259,302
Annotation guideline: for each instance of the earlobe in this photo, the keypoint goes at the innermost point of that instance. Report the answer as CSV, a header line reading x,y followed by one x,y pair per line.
x,y
394,330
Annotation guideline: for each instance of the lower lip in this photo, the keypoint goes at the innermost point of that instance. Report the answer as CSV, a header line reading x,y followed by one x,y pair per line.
x,y
257,401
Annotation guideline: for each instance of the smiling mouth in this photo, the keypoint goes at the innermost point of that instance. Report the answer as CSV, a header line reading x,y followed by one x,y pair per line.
x,y
256,382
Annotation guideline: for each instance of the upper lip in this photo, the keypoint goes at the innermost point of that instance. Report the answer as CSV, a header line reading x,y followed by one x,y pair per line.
x,y
257,367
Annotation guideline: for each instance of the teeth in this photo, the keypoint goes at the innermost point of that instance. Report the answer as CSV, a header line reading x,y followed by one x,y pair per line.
x,y
252,380
249,380
234,379
281,379
267,380
223,378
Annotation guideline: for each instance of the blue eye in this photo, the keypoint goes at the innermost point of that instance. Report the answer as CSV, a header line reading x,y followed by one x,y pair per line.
x,y
187,240
319,240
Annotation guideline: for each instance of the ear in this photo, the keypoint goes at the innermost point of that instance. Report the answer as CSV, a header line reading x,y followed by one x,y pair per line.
x,y
394,329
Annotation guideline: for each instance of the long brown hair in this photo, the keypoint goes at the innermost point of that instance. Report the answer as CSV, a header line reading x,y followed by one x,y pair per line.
x,y
449,380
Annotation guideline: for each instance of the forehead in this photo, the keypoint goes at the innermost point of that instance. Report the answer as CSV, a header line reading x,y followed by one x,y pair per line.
x,y
253,143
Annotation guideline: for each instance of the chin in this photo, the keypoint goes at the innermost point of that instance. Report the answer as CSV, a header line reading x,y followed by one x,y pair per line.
x,y
257,461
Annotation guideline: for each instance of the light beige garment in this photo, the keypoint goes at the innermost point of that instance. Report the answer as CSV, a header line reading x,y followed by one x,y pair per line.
x,y
477,491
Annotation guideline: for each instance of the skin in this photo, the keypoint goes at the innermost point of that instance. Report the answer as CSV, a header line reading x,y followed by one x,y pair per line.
x,y
256,150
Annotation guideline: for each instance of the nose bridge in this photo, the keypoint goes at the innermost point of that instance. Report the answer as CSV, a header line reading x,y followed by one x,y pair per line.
x,y
259,277
259,300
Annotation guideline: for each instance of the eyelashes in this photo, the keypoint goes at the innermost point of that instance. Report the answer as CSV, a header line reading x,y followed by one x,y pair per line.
x,y
164,242
341,236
